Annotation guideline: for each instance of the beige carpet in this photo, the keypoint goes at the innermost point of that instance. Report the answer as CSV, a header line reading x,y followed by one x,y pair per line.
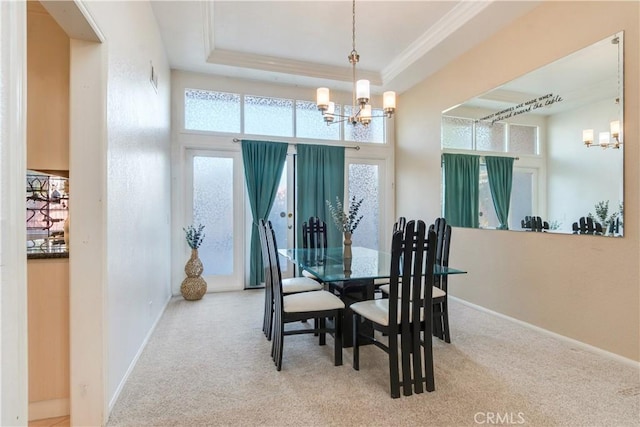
x,y
208,363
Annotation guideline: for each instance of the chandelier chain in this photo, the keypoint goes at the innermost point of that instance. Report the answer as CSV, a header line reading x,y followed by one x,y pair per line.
x,y
353,28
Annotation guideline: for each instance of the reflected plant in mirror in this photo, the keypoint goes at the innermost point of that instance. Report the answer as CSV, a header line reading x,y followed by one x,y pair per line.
x,y
536,127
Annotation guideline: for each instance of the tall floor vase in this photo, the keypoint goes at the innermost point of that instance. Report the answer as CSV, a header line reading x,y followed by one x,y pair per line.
x,y
193,286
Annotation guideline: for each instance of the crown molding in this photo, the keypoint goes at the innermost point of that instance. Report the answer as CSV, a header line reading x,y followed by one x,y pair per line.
x,y
462,13
272,63
288,66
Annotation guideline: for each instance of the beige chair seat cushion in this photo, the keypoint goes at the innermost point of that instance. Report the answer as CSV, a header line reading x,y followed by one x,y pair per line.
x,y
377,310
300,284
305,273
311,301
436,292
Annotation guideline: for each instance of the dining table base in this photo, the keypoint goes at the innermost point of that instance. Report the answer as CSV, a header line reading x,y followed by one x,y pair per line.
x,y
351,292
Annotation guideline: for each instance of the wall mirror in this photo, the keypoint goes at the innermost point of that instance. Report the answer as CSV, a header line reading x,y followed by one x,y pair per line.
x,y
563,125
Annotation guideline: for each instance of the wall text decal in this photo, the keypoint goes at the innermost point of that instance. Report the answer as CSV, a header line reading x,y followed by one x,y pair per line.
x,y
525,107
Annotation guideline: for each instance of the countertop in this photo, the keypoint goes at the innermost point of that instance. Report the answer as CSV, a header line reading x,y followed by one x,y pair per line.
x,y
37,250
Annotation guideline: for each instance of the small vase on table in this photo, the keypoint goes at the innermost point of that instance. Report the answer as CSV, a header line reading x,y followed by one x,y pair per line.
x,y
347,245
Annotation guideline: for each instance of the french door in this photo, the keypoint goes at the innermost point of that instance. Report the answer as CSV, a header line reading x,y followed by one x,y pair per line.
x,y
282,216
216,200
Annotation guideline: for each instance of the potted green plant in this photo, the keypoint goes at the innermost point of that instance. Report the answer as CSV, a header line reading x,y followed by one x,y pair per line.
x,y
603,217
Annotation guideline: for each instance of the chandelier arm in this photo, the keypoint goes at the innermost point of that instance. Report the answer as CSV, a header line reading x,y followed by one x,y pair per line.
x,y
344,119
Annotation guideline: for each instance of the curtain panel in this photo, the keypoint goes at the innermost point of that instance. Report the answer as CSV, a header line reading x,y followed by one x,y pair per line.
x,y
263,164
500,174
320,177
461,188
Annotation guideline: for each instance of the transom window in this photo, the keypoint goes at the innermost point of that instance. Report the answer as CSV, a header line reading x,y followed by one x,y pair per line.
x,y
213,111
467,134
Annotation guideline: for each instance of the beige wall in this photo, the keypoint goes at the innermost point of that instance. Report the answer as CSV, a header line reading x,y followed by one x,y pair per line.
x,y
582,287
47,149
47,91
48,308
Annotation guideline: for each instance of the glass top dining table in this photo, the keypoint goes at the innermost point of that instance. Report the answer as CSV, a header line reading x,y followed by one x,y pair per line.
x,y
365,264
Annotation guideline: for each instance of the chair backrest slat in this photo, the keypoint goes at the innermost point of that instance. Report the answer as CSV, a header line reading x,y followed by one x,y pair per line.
x,y
273,263
412,264
443,244
314,234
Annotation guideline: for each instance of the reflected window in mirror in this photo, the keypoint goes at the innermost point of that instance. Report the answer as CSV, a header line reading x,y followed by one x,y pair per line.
x,y
540,118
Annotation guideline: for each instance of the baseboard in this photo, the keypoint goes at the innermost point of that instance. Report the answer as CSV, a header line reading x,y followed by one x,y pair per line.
x,y
588,347
48,409
133,363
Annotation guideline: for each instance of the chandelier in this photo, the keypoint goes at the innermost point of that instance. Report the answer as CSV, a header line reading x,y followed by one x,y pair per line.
x,y
361,108
605,139
612,138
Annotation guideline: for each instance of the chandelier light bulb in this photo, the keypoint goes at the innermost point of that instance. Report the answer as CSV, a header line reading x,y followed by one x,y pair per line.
x,y
389,102
587,137
328,114
322,98
362,91
365,115
615,129
603,138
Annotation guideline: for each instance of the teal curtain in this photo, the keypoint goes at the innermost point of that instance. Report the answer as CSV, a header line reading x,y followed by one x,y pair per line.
x,y
263,165
320,177
461,182
500,174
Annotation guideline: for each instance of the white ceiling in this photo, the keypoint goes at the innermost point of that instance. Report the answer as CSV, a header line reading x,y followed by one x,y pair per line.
x,y
307,42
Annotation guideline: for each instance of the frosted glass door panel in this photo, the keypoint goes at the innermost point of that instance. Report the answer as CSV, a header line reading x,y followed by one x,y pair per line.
x,y
213,207
364,184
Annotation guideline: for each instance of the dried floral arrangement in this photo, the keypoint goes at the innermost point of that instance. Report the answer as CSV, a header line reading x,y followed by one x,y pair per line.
x,y
346,222
194,235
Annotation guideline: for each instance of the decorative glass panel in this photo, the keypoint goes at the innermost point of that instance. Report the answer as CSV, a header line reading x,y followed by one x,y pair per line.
x,y
457,133
213,207
523,139
211,111
490,137
363,184
311,124
374,132
268,116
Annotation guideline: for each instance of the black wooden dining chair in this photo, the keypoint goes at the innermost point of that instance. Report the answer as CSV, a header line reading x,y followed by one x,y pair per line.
x,y
440,299
405,313
534,223
314,236
586,225
299,306
399,225
290,285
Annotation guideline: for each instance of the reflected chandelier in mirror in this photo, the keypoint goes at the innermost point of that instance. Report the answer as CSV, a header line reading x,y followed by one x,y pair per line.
x,y
540,120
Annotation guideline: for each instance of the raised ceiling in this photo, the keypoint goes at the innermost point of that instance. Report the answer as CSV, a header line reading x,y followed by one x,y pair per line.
x,y
306,42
